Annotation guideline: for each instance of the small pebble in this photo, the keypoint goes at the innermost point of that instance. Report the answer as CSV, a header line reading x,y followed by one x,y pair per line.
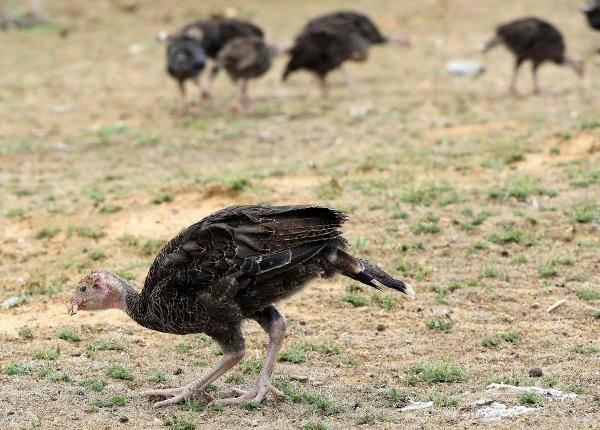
x,y
303,379
536,372
504,253
123,419
380,327
302,322
178,371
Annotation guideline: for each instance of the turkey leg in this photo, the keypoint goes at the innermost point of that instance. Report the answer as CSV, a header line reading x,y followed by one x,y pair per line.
x,y
176,395
274,324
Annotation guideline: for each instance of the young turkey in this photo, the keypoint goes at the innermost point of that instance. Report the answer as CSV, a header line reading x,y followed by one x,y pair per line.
x,y
214,33
536,40
233,265
245,58
592,13
322,50
185,60
356,23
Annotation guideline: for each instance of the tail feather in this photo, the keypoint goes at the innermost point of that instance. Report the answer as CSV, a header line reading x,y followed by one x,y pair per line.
x,y
367,273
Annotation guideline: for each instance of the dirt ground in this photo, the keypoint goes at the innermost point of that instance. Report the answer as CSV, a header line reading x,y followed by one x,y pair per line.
x,y
487,205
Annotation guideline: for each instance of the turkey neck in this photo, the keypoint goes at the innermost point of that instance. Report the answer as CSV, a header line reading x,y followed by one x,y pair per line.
x,y
132,301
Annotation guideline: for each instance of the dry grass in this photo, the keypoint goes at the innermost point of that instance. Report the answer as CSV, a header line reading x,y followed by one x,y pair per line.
x,y
487,205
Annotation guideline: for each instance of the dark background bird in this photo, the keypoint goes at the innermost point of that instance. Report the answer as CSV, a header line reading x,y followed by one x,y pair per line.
x,y
536,40
327,41
592,14
322,50
214,33
233,265
246,58
185,61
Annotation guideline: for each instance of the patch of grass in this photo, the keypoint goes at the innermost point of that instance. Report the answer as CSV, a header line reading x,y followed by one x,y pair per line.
x,y
119,372
511,234
15,213
48,354
329,190
159,377
490,340
105,346
47,233
238,185
384,301
445,399
89,232
16,369
434,323
55,376
110,208
152,246
250,366
510,336
420,228
574,389
68,335
354,299
472,219
585,211
162,198
588,294
427,194
583,178
530,398
440,294
547,270
251,406
493,273
185,347
445,371
95,384
396,397
412,270
318,402
520,188
585,349
128,239
117,400
25,333
292,356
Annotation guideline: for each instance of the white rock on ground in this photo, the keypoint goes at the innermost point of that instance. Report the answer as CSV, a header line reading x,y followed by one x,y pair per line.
x,y
547,392
414,406
496,411
13,301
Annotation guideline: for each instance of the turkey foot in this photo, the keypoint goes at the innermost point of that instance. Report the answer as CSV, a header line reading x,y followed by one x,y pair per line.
x,y
256,394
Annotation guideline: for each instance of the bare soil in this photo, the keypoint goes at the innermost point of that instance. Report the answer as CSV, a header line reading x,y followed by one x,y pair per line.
x,y
488,205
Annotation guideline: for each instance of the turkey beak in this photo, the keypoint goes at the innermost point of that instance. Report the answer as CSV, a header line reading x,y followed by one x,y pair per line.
x,y
73,307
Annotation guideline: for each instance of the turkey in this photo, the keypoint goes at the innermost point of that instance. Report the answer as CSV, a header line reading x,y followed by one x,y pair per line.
x,y
322,50
349,21
185,61
592,13
536,40
231,266
245,58
214,33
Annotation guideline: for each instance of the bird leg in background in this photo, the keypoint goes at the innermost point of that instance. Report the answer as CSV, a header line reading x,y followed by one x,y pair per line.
x,y
513,82
229,359
323,87
241,86
274,324
536,86
346,76
184,100
207,92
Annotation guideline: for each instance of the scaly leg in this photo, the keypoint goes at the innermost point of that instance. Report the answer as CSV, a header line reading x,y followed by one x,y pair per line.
x,y
207,93
273,323
513,82
323,87
184,100
239,105
536,86
346,76
229,359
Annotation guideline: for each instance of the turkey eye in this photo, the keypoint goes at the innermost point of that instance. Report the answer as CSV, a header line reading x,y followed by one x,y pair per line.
x,y
82,288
